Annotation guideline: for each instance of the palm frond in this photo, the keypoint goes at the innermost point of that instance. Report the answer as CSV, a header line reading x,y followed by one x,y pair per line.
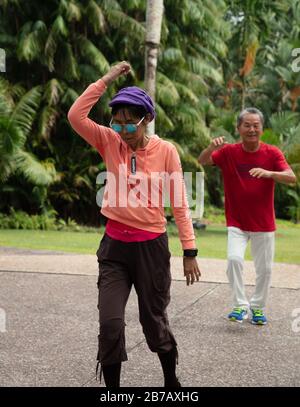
x,y
70,9
284,52
59,27
202,68
7,40
67,63
4,107
162,119
7,93
32,39
209,19
25,111
69,97
95,17
225,120
53,91
166,92
81,181
191,79
126,24
111,5
190,120
285,73
135,5
58,30
46,122
270,137
88,73
221,132
214,42
17,91
7,167
93,55
283,121
11,137
39,173
292,141
208,54
172,55
186,93
50,49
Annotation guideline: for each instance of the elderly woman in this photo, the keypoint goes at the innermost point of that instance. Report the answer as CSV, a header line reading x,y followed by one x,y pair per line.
x,y
134,249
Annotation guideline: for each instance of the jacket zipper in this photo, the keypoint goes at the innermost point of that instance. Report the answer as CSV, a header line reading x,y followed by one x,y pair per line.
x,y
133,163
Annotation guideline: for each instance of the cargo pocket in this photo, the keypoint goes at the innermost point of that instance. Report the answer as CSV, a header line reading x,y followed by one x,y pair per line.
x,y
101,253
161,276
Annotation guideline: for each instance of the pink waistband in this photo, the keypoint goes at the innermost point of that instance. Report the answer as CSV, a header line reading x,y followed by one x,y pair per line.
x,y
125,233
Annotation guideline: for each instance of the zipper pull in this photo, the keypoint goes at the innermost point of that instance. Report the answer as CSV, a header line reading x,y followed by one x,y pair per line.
x,y
133,164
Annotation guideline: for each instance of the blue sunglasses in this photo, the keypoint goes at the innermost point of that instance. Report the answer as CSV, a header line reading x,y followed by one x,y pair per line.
x,y
129,127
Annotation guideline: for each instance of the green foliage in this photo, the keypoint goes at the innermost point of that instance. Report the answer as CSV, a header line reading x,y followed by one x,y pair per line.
x,y
46,221
21,220
15,126
294,208
56,49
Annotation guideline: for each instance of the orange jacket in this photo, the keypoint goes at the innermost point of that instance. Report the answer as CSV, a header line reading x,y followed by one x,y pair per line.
x,y
135,199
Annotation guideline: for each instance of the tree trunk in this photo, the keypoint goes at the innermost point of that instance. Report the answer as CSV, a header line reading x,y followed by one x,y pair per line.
x,y
154,15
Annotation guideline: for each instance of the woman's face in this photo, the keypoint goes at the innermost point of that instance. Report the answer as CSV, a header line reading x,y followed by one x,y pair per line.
x,y
135,138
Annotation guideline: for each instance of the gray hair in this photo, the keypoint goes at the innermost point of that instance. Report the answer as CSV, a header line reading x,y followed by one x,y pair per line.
x,y
251,110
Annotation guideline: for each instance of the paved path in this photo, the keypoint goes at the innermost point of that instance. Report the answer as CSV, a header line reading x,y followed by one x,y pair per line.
x,y
48,326
213,270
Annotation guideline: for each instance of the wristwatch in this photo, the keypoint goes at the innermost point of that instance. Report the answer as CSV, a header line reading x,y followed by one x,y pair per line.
x,y
190,252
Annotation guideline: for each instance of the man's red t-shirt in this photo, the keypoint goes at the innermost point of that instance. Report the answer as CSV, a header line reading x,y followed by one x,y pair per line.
x,y
249,201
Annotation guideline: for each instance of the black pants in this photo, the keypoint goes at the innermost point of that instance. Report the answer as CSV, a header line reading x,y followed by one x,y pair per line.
x,y
146,265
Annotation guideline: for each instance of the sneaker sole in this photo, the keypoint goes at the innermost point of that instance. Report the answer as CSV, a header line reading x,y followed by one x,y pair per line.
x,y
258,323
237,320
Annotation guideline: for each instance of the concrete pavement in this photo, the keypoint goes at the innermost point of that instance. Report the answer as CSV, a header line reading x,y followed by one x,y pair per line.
x,y
48,326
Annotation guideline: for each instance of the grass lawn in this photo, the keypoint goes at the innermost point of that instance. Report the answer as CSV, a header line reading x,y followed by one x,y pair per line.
x,y
210,242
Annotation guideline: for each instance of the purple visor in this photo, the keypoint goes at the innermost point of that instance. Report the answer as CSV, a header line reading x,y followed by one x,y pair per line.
x,y
134,96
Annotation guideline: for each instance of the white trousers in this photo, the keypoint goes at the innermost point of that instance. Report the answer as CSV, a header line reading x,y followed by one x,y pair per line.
x,y
262,250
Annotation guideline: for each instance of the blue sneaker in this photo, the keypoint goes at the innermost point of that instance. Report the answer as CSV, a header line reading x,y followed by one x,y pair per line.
x,y
238,314
258,317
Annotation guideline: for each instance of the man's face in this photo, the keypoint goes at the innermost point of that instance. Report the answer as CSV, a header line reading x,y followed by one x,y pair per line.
x,y
251,128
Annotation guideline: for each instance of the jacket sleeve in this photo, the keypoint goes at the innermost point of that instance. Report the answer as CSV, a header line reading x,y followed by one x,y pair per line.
x,y
96,135
179,202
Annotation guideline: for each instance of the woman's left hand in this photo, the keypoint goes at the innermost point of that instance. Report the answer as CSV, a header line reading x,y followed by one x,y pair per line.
x,y
191,270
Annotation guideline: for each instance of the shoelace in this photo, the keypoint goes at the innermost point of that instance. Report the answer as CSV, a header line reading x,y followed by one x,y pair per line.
x,y
258,313
238,310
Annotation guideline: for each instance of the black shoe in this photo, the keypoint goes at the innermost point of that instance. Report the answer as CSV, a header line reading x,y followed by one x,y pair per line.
x,y
173,384
111,374
168,362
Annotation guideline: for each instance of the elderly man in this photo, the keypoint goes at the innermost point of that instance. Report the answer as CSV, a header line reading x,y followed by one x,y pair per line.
x,y
250,169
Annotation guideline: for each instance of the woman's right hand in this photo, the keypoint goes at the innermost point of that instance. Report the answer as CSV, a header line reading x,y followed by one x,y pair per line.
x,y
121,68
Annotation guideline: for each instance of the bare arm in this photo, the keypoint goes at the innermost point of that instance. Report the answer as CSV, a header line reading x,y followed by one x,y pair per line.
x,y
284,177
205,157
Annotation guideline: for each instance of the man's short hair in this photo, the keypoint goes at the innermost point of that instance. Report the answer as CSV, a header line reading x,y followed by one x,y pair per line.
x,y
251,110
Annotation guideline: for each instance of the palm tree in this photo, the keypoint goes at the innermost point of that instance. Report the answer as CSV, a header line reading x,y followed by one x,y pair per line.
x,y
154,16
61,47
212,57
